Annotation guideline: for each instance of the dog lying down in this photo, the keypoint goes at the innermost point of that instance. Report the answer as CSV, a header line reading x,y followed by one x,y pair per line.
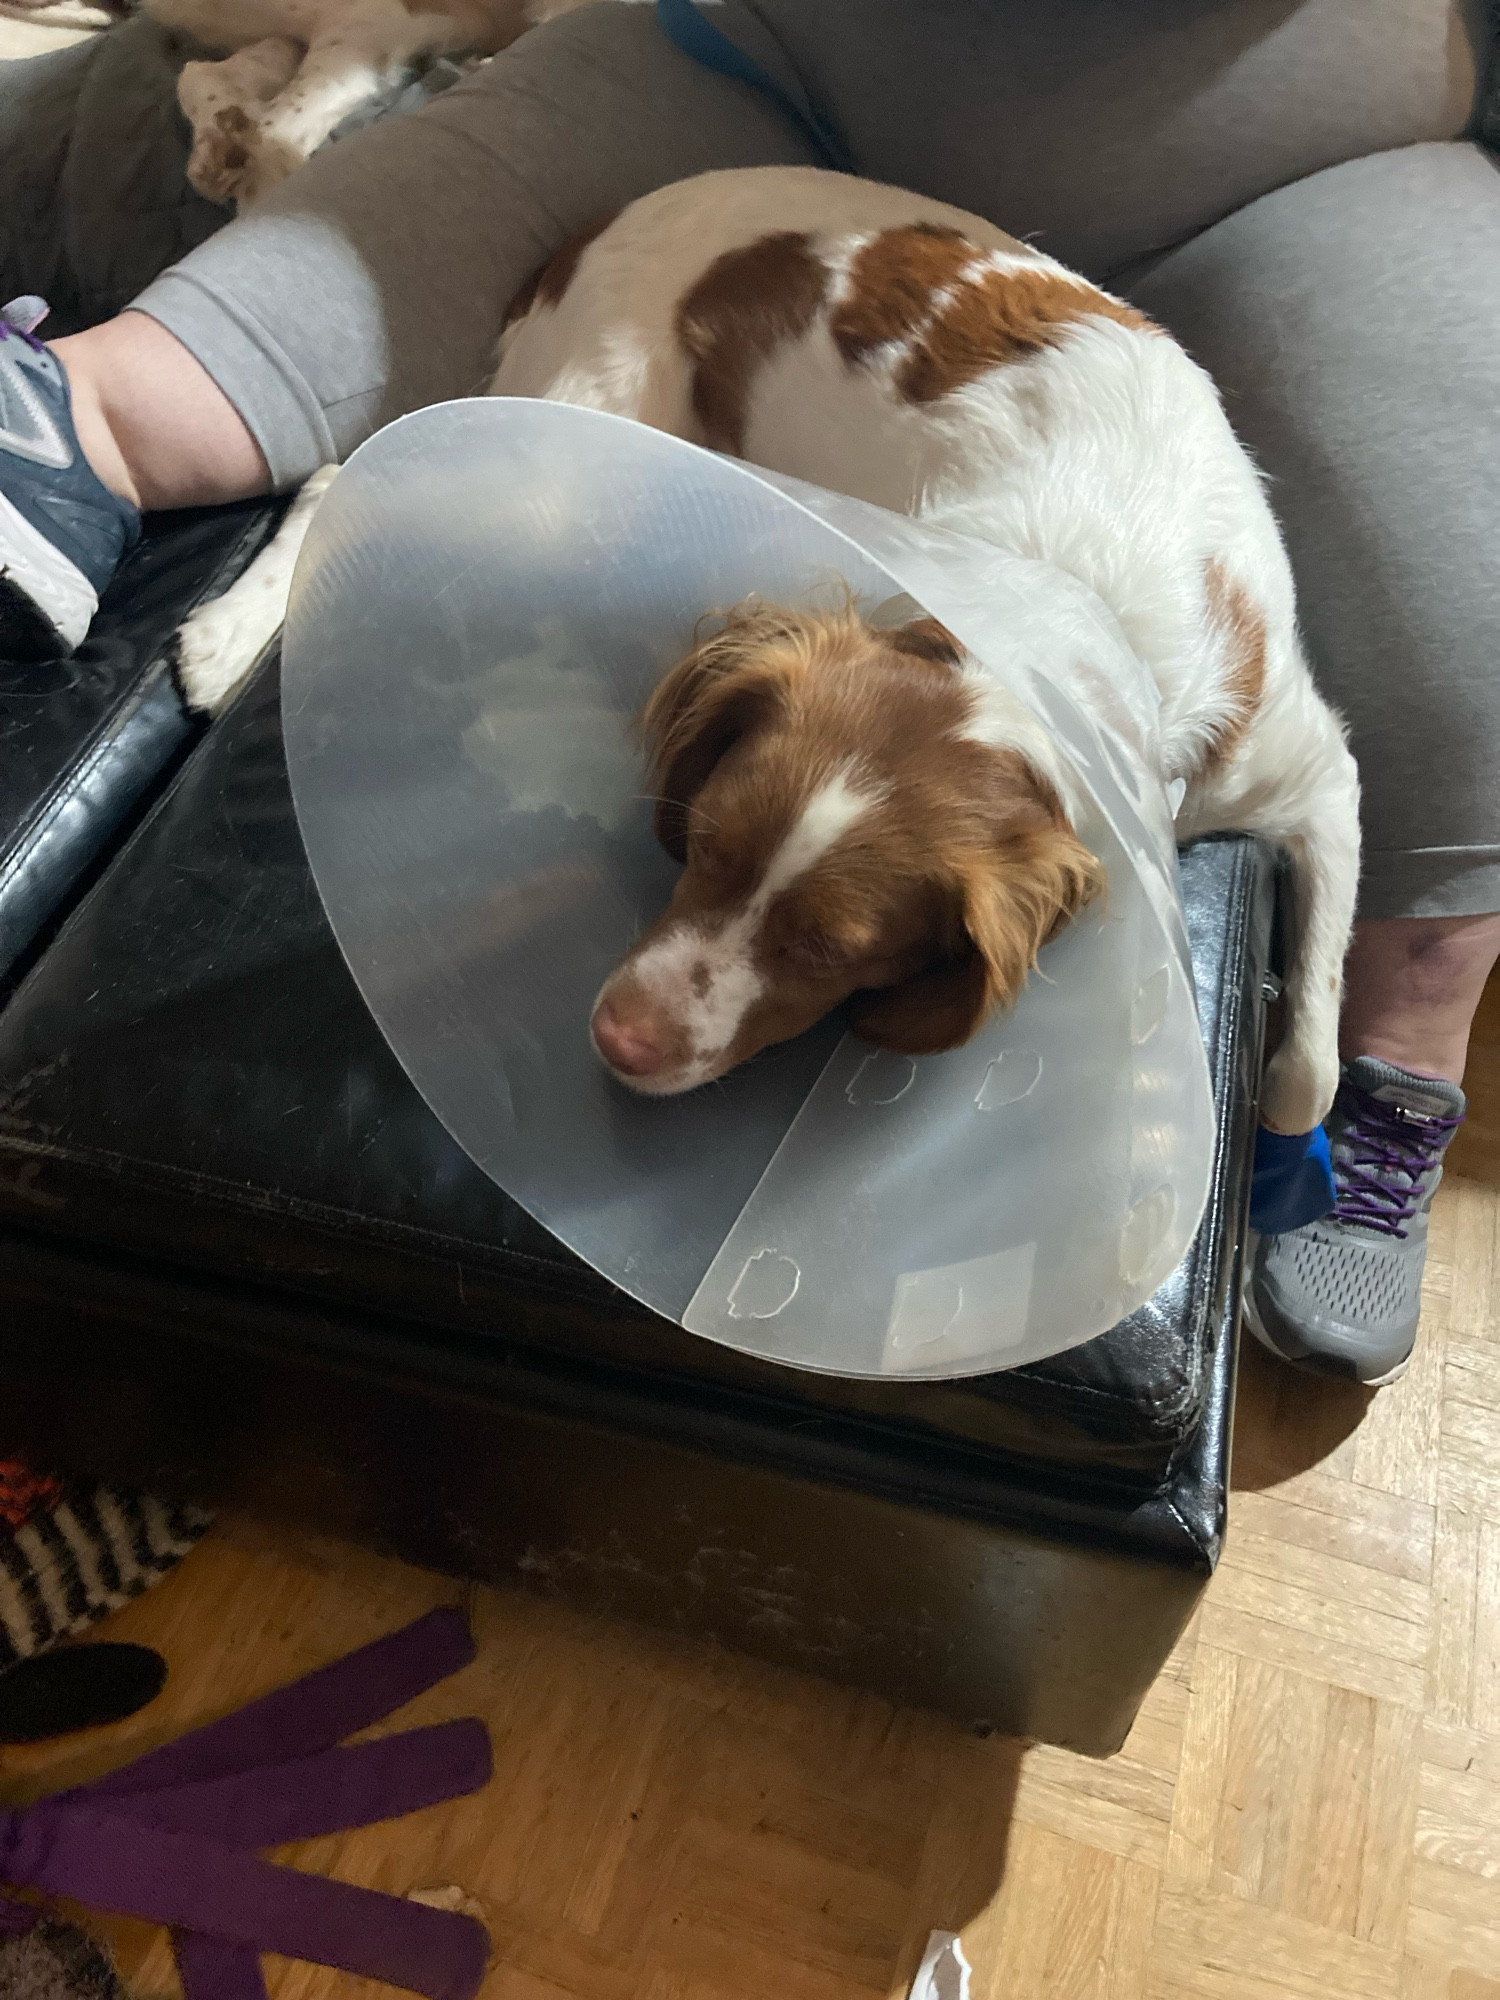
x,y
864,816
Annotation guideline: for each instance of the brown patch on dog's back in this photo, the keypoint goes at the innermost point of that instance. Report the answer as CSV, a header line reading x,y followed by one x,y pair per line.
x,y
935,291
1002,316
1243,628
548,285
739,312
893,281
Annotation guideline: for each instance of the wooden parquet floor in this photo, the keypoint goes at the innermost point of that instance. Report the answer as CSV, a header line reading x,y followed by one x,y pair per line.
x,y
1307,1809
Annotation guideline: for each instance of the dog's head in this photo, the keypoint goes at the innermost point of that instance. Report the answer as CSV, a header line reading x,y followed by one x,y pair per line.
x,y
846,831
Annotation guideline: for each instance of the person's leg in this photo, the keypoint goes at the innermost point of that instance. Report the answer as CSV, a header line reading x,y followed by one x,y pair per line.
x,y
373,282
1350,321
1412,987
94,150
376,279
152,421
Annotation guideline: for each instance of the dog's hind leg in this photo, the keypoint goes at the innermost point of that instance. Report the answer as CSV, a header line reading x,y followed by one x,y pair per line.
x,y
1322,846
352,63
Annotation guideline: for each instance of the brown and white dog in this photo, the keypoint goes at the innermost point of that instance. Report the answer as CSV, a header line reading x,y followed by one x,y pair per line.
x,y
867,816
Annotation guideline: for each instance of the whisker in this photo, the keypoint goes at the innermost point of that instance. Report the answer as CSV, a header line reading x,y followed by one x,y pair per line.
x,y
657,799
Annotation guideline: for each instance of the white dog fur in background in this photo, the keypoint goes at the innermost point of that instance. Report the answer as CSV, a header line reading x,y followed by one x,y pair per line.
x,y
296,69
292,70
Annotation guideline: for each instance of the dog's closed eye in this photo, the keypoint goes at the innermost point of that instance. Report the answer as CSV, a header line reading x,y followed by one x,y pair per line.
x,y
819,952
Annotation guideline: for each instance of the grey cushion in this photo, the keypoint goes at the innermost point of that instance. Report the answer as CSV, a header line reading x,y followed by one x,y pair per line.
x,y
1353,321
94,151
1117,127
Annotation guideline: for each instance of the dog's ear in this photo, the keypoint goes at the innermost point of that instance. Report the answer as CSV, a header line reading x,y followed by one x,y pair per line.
x,y
1013,896
924,639
724,688
703,706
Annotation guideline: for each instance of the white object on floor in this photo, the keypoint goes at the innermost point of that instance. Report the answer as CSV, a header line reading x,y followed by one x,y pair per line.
x,y
449,1896
944,1971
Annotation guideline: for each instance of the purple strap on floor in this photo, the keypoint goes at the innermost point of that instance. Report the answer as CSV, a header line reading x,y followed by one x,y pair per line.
x,y
172,1836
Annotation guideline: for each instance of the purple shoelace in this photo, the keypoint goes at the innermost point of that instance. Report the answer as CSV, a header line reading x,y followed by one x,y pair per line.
x,y
21,318
1382,1159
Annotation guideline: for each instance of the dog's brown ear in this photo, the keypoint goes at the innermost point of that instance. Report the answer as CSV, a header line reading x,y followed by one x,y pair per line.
x,y
704,705
723,689
925,639
1014,898
937,1009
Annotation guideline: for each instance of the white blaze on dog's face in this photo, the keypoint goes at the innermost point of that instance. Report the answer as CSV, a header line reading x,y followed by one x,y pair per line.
x,y
846,832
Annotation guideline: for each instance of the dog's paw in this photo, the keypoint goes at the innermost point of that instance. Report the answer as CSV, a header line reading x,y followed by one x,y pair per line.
x,y
223,163
218,645
1297,1090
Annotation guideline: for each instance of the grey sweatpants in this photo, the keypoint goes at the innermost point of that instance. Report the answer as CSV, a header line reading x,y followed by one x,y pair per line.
x,y
1283,182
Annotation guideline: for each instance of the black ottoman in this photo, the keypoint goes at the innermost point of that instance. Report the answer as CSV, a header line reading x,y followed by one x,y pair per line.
x,y
86,743
240,1261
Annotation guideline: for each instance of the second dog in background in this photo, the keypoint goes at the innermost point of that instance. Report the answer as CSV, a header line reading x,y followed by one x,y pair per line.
x,y
296,69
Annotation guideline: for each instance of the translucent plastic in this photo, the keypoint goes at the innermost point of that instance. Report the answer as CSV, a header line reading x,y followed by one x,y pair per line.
x,y
489,591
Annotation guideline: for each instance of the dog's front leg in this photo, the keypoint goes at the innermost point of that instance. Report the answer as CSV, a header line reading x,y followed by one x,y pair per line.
x,y
222,640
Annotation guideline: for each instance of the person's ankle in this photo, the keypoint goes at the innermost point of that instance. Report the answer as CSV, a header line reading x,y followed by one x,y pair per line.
x,y
1443,1059
95,435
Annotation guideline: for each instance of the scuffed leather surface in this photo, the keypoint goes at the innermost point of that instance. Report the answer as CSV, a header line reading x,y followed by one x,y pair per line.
x,y
190,1078
84,741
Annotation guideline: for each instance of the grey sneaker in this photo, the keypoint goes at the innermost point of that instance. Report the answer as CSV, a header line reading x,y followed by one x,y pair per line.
x,y
62,532
1343,1296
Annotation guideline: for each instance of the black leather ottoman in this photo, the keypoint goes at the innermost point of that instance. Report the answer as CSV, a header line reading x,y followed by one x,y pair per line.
x,y
240,1260
86,743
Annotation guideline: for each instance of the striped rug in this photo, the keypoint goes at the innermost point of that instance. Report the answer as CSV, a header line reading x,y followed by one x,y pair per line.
x,y
71,1553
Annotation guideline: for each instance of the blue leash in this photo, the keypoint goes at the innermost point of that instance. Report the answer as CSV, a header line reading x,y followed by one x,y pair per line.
x,y
697,37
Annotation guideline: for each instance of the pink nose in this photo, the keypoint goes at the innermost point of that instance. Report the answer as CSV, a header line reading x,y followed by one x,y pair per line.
x,y
625,1045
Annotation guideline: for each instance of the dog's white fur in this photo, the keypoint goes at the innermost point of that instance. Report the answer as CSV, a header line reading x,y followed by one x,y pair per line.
x,y
1107,454
298,68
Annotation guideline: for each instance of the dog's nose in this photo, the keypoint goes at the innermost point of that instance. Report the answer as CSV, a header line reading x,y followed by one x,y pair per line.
x,y
625,1045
